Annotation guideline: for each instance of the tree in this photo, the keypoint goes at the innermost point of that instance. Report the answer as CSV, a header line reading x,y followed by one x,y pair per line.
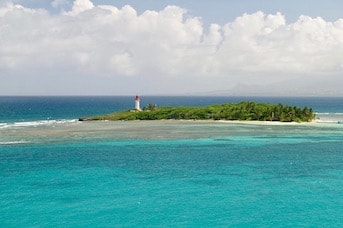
x,y
150,107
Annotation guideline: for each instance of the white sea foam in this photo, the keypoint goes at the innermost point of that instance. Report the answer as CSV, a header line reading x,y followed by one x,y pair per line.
x,y
330,113
330,117
14,142
36,123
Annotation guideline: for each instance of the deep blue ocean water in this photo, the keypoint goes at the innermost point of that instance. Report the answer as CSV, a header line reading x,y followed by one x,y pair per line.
x,y
58,172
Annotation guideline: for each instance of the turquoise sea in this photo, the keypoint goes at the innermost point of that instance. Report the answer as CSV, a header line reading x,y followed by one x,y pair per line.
x,y
58,172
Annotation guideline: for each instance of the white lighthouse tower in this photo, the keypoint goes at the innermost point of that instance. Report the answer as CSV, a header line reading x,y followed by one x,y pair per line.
x,y
137,103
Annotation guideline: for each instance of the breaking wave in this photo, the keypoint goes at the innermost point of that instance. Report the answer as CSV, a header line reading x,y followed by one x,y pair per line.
x,y
14,142
330,117
36,123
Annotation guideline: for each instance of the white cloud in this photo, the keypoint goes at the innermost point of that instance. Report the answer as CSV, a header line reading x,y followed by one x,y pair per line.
x,y
266,44
80,6
167,46
122,64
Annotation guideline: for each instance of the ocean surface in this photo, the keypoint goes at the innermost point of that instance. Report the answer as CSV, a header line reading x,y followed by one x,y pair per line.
x,y
58,172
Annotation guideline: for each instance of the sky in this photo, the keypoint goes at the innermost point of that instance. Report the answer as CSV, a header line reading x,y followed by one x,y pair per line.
x,y
160,47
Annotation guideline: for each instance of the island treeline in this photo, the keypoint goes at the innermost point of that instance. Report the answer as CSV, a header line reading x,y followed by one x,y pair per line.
x,y
241,111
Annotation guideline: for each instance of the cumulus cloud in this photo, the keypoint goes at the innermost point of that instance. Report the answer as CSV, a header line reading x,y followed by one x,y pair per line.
x,y
167,46
80,6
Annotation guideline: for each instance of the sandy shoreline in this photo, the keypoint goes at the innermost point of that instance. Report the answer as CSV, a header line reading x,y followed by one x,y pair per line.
x,y
274,123
247,122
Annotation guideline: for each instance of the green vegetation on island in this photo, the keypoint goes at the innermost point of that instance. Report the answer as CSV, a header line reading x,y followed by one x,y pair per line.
x,y
242,111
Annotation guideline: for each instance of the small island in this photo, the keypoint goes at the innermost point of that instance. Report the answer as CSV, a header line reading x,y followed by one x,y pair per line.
x,y
244,111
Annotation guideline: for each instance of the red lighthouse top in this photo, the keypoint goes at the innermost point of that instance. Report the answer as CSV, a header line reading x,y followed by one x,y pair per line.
x,y
137,98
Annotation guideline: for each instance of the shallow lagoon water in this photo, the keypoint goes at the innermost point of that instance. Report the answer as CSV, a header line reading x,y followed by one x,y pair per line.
x,y
171,173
